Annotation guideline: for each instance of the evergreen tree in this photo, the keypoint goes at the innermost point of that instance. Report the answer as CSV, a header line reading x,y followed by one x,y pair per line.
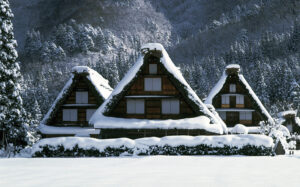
x,y
12,113
33,44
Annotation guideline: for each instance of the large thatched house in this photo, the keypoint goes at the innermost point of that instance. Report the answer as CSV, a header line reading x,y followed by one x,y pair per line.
x,y
153,99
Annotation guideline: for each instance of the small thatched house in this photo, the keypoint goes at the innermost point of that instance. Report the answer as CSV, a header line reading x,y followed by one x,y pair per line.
x,y
153,99
85,91
290,121
236,102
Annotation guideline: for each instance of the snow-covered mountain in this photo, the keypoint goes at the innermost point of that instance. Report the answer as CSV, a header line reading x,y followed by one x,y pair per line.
x,y
201,36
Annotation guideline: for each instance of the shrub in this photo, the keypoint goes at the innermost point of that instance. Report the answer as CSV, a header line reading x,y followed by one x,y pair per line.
x,y
201,149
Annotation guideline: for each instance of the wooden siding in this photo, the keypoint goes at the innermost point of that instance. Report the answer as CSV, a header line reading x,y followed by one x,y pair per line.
x,y
248,104
153,108
81,84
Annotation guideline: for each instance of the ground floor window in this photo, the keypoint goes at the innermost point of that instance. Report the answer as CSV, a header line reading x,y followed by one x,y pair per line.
x,y
135,106
69,114
170,106
246,116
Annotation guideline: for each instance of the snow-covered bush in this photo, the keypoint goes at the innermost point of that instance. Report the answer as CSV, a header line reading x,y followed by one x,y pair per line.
x,y
279,133
253,145
239,129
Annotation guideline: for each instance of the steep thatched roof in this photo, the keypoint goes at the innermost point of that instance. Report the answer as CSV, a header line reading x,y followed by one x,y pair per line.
x,y
234,70
174,76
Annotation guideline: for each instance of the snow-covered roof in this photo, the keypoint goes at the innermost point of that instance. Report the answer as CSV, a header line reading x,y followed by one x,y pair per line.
x,y
100,84
250,129
297,121
282,117
77,131
288,112
200,122
213,110
98,117
233,66
218,87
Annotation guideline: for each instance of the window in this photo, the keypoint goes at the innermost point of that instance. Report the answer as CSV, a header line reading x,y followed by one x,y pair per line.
x,y
225,99
82,98
232,88
246,115
170,106
152,84
152,68
240,99
222,115
69,114
135,106
89,113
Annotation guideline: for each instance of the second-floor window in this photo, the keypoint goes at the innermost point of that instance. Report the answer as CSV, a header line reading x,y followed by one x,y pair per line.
x,y
225,99
152,84
240,99
246,116
82,98
232,88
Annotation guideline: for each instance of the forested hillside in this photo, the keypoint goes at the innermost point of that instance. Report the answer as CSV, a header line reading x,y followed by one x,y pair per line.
x,y
201,36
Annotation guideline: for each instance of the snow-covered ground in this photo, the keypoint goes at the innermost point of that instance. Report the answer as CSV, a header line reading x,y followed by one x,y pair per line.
x,y
152,171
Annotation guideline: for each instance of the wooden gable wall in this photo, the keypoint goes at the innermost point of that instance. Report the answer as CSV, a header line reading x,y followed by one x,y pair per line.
x,y
248,102
153,106
80,84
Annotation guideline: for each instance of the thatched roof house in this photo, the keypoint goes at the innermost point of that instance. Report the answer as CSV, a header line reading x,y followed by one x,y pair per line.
x,y
153,99
85,91
235,101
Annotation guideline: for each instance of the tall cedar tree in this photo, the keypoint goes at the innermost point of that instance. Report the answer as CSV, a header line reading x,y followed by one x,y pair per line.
x,y
12,113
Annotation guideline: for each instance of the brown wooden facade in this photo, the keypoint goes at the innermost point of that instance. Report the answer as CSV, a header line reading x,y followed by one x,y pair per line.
x,y
83,85
230,111
79,99
153,99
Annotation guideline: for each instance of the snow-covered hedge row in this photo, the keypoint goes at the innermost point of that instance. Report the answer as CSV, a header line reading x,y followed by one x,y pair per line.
x,y
170,145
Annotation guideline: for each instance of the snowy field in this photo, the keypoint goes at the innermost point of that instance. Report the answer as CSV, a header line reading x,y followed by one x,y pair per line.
x,y
152,171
